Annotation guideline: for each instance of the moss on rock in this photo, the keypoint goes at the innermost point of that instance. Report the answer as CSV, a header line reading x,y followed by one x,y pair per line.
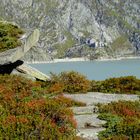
x,y
9,36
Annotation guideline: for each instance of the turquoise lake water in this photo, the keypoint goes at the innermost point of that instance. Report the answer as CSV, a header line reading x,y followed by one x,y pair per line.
x,y
95,70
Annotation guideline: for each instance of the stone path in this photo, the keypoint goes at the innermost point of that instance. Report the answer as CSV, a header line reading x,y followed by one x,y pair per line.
x,y
88,125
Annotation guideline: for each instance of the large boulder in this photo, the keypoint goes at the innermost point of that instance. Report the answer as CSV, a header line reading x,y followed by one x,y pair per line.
x,y
28,70
10,59
12,55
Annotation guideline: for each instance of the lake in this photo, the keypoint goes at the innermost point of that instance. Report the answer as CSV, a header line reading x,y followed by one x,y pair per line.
x,y
94,70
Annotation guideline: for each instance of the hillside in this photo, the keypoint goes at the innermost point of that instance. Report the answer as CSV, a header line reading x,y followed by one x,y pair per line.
x,y
69,28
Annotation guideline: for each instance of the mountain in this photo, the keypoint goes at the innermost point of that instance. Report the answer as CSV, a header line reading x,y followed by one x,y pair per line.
x,y
78,28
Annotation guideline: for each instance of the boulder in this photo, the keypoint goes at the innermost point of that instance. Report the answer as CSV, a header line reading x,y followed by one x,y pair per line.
x,y
12,55
10,59
26,69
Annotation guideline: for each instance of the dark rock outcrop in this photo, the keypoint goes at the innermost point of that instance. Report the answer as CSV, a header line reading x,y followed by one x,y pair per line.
x,y
9,67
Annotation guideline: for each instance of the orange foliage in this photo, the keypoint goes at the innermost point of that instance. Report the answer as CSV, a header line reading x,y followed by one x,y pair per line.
x,y
56,88
36,104
26,111
123,120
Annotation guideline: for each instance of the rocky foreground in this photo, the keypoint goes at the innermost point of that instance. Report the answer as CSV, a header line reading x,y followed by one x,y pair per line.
x,y
87,117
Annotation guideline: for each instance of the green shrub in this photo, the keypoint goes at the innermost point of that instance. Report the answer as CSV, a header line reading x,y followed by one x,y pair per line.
x,y
123,120
9,36
121,137
127,85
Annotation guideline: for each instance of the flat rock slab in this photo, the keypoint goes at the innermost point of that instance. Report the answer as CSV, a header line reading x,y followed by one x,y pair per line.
x,y
26,69
89,134
84,110
93,98
88,121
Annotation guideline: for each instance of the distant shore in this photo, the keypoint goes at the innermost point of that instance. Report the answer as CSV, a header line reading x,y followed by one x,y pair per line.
x,y
82,59
61,60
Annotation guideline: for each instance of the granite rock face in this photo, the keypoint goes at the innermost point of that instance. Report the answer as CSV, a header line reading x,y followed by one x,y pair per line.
x,y
102,28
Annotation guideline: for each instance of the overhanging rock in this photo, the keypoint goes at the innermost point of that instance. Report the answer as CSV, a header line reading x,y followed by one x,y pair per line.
x,y
10,59
12,55
26,69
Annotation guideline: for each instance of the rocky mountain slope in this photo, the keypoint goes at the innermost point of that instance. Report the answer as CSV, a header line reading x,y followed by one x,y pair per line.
x,y
78,28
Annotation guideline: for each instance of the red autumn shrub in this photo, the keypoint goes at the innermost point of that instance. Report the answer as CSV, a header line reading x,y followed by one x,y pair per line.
x,y
74,82
123,120
55,88
68,82
122,108
68,102
27,113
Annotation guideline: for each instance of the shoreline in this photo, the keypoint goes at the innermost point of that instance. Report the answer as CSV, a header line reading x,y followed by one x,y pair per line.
x,y
82,59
